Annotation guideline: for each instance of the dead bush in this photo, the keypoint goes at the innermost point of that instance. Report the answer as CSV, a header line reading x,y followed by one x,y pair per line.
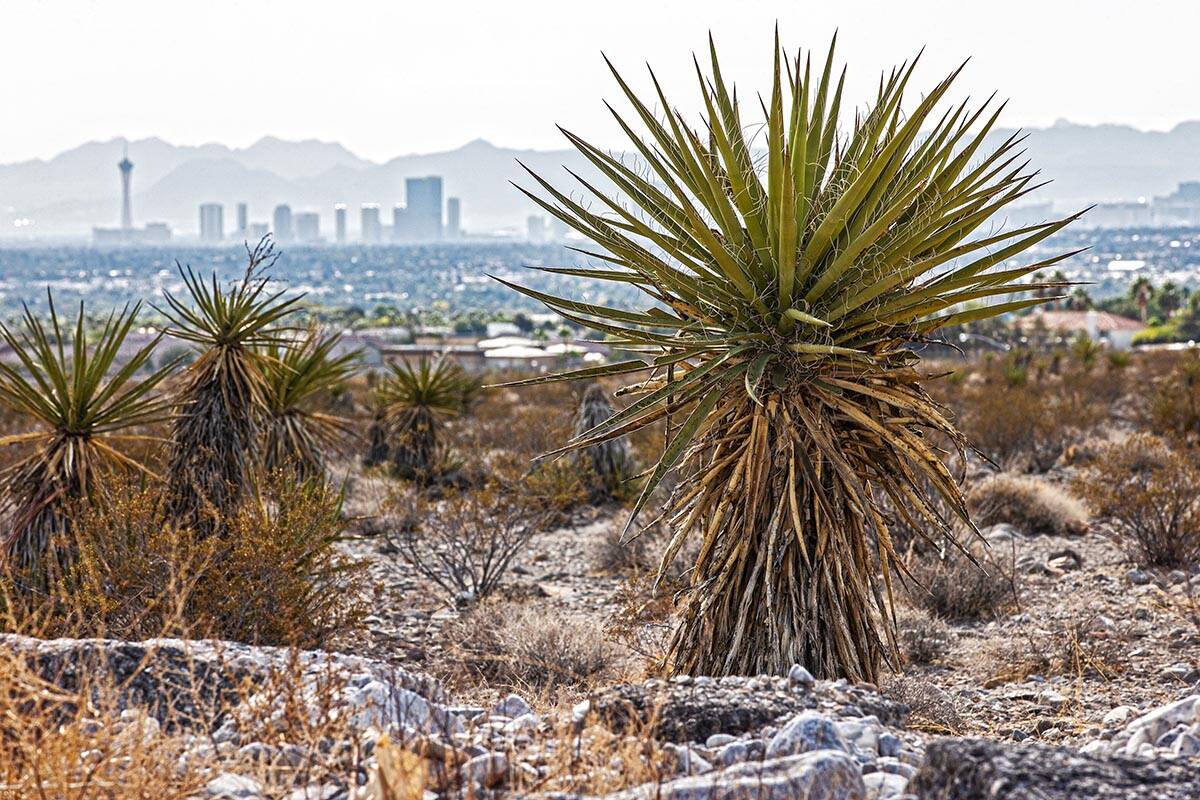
x,y
952,586
523,646
930,708
466,541
1149,492
1025,426
615,554
1028,504
923,639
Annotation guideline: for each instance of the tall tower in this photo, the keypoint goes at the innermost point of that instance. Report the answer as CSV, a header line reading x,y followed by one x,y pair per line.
x,y
126,167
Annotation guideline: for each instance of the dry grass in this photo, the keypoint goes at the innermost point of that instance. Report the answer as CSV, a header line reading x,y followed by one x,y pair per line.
x,y
952,587
520,647
83,736
1029,504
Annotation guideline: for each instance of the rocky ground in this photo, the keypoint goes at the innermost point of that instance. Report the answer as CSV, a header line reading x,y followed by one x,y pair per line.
x,y
1087,684
763,737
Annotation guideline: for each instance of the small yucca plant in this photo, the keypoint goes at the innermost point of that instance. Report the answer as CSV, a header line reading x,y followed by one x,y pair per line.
x,y
221,401
299,375
83,407
787,287
416,400
607,463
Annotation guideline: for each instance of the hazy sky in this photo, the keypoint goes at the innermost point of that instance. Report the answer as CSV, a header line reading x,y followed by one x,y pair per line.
x,y
393,76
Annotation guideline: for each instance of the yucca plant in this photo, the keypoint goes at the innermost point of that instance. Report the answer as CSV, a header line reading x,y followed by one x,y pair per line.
x,y
84,407
416,399
607,463
788,278
221,402
299,374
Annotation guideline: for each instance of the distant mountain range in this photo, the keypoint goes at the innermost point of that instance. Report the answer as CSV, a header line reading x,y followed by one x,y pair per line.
x,y
79,188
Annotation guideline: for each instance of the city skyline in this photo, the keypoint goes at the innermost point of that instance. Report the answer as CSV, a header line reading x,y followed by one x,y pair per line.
x,y
549,69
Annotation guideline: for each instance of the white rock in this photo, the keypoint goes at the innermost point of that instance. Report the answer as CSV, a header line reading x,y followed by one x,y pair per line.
x,y
1186,745
884,785
1118,716
820,775
512,706
806,732
229,786
799,676
485,770
1160,720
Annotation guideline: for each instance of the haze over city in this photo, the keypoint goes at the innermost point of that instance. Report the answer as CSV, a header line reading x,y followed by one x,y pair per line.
x,y
388,79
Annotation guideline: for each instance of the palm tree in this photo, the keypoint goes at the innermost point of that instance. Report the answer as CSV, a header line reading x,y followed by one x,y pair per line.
x,y
415,401
84,406
786,281
299,374
221,403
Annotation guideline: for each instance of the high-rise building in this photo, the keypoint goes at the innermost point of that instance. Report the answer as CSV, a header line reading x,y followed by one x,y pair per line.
x,y
339,223
453,218
372,232
401,224
558,230
126,167
212,223
282,220
423,201
243,220
308,226
257,231
535,228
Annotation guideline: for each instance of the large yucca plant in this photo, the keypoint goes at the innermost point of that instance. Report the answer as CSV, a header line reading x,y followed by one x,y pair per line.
x,y
221,402
299,375
788,278
416,399
83,407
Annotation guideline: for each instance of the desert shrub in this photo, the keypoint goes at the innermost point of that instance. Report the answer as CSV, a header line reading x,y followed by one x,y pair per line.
x,y
1172,407
1029,504
614,553
466,541
277,579
922,638
953,587
524,646
1074,648
1027,426
557,486
1149,492
930,708
1012,426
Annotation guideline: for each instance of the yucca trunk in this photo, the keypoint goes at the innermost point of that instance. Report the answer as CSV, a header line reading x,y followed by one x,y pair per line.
x,y
414,451
215,440
378,449
39,513
607,463
781,578
290,447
